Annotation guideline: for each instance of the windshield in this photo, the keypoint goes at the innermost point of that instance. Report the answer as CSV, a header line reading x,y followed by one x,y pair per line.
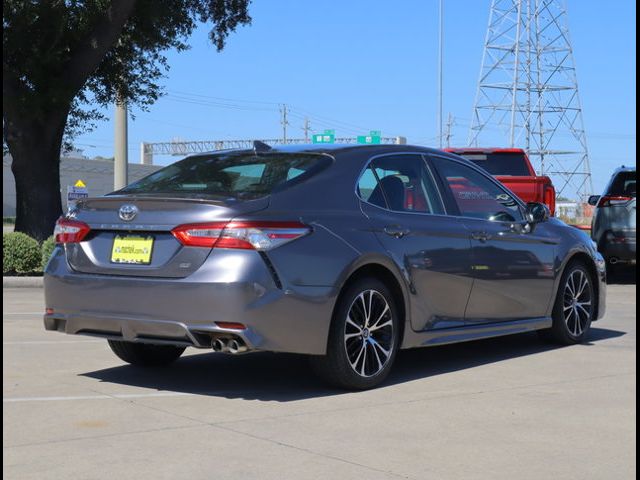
x,y
240,176
511,164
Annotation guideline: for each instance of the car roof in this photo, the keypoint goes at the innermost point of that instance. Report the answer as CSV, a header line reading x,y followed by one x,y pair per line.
x,y
336,148
624,169
460,150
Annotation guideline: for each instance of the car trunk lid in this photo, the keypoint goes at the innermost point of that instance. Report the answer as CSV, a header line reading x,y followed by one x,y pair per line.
x,y
149,227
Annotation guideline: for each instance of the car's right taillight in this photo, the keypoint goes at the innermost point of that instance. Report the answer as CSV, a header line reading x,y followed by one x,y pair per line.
x,y
613,200
549,198
70,231
241,235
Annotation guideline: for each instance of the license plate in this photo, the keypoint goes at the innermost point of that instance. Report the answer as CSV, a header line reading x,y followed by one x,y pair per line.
x,y
132,249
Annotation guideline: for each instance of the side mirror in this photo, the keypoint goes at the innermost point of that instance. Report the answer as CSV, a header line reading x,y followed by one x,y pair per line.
x,y
593,200
537,212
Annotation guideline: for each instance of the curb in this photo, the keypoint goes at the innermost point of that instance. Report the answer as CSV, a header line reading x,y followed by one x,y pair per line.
x,y
22,282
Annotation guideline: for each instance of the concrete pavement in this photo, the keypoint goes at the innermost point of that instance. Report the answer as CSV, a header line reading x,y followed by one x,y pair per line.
x,y
502,408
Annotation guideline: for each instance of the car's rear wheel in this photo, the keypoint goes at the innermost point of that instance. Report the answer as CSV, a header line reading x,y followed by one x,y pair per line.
x,y
363,338
145,354
575,306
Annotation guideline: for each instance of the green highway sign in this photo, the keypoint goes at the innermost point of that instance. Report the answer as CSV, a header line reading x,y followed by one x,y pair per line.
x,y
329,136
374,138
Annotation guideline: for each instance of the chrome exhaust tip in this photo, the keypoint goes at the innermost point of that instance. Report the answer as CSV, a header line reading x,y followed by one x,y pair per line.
x,y
234,346
218,345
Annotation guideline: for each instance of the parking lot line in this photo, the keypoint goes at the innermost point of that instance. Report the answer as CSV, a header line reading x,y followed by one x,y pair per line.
x,y
50,342
121,396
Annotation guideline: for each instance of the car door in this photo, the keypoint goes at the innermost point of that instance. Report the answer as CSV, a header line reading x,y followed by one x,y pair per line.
x,y
399,196
512,261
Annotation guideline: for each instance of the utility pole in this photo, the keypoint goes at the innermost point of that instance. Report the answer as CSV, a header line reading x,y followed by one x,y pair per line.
x,y
284,122
448,135
306,129
440,61
120,160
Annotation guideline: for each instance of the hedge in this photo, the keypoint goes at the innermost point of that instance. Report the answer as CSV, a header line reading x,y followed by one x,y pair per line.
x,y
47,249
21,254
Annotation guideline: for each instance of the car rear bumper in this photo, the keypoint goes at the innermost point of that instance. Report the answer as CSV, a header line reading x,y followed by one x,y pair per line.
x,y
620,250
229,287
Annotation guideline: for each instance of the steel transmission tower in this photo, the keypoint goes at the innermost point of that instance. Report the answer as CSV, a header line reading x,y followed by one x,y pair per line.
x,y
528,92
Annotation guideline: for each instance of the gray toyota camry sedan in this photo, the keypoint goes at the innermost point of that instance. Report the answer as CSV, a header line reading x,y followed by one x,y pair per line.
x,y
344,253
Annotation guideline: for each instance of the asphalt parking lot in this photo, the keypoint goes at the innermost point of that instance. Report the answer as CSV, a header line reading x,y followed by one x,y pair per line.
x,y
502,408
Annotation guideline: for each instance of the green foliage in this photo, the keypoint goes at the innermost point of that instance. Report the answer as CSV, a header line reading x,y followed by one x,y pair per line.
x,y
20,253
47,249
9,220
77,57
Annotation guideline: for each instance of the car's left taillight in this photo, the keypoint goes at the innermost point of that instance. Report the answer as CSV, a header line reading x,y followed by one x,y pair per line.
x,y
241,235
70,231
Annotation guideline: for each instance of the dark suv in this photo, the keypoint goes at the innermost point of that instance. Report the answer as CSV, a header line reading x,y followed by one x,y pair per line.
x,y
614,221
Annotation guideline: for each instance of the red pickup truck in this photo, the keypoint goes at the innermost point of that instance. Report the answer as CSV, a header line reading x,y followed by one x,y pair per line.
x,y
512,167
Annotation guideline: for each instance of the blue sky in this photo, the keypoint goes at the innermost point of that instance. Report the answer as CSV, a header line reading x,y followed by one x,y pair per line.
x,y
361,65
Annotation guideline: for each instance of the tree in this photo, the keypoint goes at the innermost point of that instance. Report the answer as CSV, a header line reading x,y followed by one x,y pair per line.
x,y
63,60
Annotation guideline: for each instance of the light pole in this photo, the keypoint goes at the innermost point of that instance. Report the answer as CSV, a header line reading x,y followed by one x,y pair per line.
x,y
120,160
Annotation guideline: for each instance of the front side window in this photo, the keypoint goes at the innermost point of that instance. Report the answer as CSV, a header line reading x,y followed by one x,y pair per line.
x,y
241,176
400,183
475,195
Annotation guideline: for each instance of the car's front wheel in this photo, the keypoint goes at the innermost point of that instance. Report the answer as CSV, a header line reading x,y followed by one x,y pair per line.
x,y
363,338
145,354
575,306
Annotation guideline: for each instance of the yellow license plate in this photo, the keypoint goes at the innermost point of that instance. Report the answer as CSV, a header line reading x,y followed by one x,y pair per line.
x,y
132,249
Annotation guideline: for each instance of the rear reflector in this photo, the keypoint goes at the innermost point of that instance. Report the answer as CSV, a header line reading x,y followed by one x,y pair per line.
x,y
242,235
610,200
231,325
70,231
48,311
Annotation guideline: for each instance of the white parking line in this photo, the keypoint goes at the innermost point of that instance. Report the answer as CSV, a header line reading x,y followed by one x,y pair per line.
x,y
50,342
121,396
22,313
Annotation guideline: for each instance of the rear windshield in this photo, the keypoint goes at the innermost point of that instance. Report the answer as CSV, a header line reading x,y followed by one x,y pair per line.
x,y
510,164
240,176
624,185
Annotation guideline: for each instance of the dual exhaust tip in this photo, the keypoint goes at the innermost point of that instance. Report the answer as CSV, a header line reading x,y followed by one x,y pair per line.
x,y
229,345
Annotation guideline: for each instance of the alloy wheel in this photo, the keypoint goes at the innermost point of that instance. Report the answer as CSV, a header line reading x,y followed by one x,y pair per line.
x,y
577,302
369,333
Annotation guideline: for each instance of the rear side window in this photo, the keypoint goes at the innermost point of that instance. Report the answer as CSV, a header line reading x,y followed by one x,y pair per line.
x,y
507,164
401,183
230,175
624,185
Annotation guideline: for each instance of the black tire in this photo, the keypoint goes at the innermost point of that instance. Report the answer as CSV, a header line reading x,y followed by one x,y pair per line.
x,y
146,355
335,367
571,324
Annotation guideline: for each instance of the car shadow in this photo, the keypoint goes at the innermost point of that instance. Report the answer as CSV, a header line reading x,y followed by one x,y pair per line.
x,y
622,276
287,377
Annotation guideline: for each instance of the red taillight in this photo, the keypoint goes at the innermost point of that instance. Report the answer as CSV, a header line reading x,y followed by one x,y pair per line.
x,y
70,231
550,198
611,200
242,235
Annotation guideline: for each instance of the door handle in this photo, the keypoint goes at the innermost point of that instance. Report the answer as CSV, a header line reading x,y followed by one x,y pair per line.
x,y
481,236
396,231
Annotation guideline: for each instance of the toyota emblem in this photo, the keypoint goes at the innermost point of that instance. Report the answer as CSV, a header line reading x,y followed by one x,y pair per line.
x,y
128,212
